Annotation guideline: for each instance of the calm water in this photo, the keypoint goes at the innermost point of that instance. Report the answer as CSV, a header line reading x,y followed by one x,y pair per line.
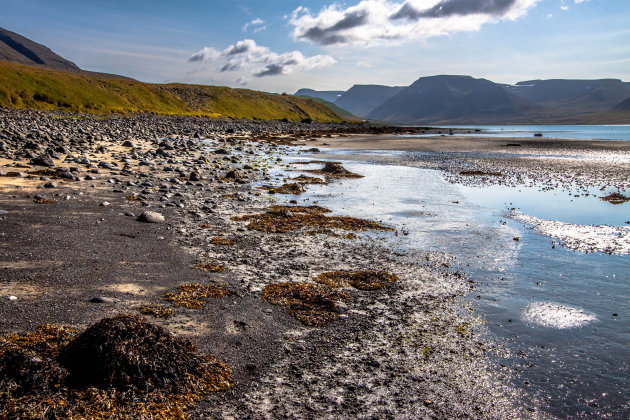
x,y
579,132
552,307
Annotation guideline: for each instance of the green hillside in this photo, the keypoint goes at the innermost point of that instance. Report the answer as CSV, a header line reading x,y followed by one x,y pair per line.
x,y
23,86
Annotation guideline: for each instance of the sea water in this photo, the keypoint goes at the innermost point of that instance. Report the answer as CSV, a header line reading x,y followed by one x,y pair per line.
x,y
573,132
563,315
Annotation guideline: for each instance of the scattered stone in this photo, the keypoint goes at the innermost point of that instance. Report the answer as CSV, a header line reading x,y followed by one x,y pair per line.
x,y
151,217
43,160
104,299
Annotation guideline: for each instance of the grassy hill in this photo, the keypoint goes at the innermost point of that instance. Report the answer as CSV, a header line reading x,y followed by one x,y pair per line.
x,y
23,86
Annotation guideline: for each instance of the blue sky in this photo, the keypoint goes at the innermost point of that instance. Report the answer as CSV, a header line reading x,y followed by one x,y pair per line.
x,y
284,45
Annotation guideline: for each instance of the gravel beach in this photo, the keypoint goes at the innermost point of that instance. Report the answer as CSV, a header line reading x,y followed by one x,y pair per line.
x,y
102,216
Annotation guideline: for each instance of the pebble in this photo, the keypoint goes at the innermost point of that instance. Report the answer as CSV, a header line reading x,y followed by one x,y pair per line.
x,y
103,299
151,217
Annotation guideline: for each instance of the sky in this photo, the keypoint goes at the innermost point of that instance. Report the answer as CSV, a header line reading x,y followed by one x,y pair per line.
x,y
285,45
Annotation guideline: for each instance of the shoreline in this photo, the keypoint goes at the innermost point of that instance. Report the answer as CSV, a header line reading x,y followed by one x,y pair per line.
x,y
406,350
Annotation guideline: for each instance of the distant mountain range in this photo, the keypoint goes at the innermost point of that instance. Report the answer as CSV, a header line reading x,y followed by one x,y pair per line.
x,y
466,100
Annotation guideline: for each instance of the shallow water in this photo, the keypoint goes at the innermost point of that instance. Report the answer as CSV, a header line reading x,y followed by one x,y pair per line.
x,y
579,132
551,306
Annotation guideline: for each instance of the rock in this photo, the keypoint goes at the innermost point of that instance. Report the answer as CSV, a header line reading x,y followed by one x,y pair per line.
x,y
103,299
151,217
128,143
43,160
194,176
105,203
51,184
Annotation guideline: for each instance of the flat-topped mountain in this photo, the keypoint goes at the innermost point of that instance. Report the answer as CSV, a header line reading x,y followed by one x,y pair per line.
x,y
573,95
361,99
462,99
18,49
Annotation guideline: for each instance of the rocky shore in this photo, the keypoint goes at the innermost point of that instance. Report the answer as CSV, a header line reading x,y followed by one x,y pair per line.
x,y
103,216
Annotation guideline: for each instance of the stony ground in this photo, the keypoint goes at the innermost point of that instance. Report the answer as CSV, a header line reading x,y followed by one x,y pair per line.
x,y
73,250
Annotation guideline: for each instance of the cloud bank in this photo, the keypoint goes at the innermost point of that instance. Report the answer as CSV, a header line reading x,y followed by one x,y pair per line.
x,y
373,22
252,60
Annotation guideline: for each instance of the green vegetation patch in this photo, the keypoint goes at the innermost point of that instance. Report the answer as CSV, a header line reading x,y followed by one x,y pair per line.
x,y
121,367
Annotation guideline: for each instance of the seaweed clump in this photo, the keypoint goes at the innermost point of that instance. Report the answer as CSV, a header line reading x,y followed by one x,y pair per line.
x,y
615,198
480,173
362,280
335,170
293,188
211,268
303,179
120,367
221,241
155,311
194,295
312,304
283,219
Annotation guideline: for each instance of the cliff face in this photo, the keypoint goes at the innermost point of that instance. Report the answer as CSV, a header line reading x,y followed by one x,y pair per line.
x,y
18,49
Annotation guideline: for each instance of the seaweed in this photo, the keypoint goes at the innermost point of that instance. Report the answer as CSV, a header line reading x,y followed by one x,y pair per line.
x,y
283,219
288,188
155,311
303,179
480,173
615,198
212,268
334,170
362,280
121,367
194,295
311,304
42,200
222,241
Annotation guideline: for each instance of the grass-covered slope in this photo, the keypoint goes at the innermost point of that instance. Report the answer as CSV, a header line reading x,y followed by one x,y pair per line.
x,y
23,86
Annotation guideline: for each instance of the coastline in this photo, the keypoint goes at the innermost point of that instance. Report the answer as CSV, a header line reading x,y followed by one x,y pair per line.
x,y
410,349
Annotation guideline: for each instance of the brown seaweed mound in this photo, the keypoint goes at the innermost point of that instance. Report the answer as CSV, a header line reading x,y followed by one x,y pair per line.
x,y
121,367
615,198
288,188
195,295
303,179
312,304
282,219
335,170
362,280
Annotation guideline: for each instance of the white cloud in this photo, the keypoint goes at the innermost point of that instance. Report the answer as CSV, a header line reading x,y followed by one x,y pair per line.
x,y
374,22
548,15
252,60
257,25
563,7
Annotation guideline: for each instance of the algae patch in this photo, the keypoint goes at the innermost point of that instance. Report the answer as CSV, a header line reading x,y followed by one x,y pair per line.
x,y
283,219
312,304
362,280
194,295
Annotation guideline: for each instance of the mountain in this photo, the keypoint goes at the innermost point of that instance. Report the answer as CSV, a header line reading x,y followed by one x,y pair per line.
x,y
361,99
327,95
15,48
573,96
455,99
338,110
623,105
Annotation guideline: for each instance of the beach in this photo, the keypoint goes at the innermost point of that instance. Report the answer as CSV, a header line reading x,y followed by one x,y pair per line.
x,y
75,250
